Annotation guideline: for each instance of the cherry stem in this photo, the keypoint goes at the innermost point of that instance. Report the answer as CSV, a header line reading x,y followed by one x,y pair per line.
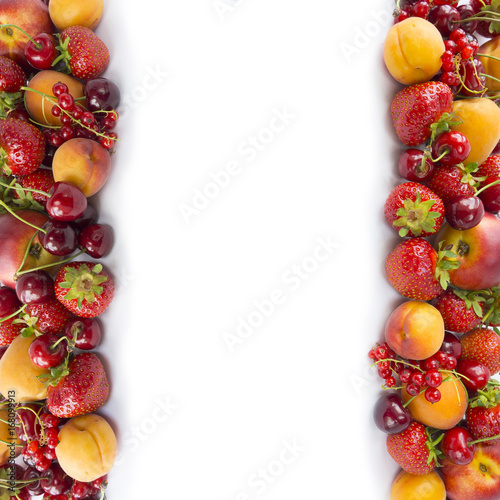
x,y
12,212
45,266
490,77
59,340
37,45
487,186
14,314
441,156
10,186
28,248
488,55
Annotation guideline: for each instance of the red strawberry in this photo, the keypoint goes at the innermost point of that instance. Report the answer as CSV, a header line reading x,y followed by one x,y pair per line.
x,y
413,449
461,311
9,331
81,387
414,209
84,52
12,77
41,179
490,167
84,288
49,317
482,344
449,182
416,270
420,109
22,147
483,414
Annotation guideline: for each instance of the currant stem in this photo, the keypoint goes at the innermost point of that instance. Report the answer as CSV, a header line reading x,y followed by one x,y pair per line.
x,y
12,212
14,314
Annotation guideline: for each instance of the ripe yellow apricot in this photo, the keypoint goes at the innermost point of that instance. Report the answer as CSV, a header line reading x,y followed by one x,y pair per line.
x,y
491,66
413,50
480,123
66,13
429,486
444,414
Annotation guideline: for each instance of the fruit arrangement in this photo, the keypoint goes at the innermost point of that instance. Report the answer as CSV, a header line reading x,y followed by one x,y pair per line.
x,y
440,407
57,121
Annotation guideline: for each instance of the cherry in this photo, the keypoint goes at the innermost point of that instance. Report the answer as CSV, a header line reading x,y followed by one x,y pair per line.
x,y
491,195
97,240
85,332
35,287
475,374
472,76
390,415
451,345
101,93
41,51
34,488
88,217
55,481
47,351
9,303
80,490
443,17
451,148
59,238
466,11
27,423
414,166
455,445
66,202
464,212
420,9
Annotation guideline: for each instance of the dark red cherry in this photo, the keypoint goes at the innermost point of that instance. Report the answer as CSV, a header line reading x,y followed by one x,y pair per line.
x,y
390,415
464,212
66,202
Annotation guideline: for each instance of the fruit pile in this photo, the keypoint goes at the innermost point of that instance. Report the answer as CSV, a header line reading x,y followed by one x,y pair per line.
x,y
57,120
441,405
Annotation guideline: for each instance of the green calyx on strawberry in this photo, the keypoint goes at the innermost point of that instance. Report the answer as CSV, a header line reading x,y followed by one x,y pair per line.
x,y
443,266
444,124
489,397
9,101
472,299
416,217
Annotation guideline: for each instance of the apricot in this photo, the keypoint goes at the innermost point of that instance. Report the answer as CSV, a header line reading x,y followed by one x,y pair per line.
x,y
413,50
491,66
66,13
87,447
82,162
18,375
415,330
444,414
40,107
8,436
480,123
407,486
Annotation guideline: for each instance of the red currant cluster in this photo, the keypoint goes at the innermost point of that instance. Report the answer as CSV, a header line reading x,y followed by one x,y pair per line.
x,y
79,122
417,376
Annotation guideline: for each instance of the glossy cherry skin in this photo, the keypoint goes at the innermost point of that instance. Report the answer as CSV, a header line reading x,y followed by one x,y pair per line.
x,y
55,481
477,375
43,353
35,287
85,332
66,202
41,52
88,217
60,238
451,345
97,240
491,196
451,148
443,17
464,212
390,415
9,303
102,93
455,445
413,167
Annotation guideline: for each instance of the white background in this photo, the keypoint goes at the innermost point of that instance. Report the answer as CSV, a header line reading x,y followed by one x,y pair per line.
x,y
198,82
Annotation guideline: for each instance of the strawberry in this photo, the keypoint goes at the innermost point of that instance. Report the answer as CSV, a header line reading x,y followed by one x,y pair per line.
x,y
48,317
482,344
41,179
449,182
84,288
414,209
483,413
420,111
22,147
413,449
461,311
490,167
9,330
85,54
417,271
78,387
12,76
